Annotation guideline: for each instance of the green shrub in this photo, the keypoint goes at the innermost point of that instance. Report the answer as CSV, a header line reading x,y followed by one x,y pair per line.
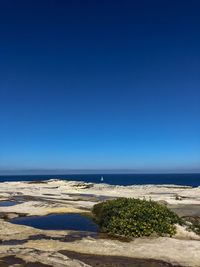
x,y
135,218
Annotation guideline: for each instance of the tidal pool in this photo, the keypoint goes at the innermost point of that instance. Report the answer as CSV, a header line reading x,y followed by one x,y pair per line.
x,y
7,203
69,221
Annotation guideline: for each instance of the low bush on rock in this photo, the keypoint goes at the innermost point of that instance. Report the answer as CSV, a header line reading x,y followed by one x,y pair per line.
x,y
135,218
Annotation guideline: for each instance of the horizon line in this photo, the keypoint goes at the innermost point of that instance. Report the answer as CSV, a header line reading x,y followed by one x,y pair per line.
x,y
94,171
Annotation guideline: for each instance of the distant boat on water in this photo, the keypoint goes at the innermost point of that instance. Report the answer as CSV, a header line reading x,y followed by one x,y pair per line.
x,y
102,179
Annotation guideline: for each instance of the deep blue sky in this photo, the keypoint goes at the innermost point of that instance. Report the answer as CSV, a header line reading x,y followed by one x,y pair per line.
x,y
100,85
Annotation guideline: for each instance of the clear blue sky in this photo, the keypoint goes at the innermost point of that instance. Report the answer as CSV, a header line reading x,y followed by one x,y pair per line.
x,y
100,85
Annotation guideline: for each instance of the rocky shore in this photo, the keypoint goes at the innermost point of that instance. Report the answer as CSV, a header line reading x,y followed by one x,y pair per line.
x,y
29,246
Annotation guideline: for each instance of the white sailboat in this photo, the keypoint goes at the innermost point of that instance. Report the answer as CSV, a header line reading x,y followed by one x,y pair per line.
x,y
102,179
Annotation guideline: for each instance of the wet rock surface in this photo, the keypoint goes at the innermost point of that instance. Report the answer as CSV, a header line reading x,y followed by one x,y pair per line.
x,y
16,262
186,210
32,257
115,261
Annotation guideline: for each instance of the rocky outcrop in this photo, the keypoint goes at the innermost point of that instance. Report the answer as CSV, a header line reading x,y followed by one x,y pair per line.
x,y
46,246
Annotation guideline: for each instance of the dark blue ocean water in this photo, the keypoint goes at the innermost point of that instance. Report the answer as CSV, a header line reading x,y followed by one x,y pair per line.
x,y
116,179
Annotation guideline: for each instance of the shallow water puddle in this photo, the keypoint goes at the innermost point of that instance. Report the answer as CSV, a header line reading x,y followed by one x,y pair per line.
x,y
8,203
69,221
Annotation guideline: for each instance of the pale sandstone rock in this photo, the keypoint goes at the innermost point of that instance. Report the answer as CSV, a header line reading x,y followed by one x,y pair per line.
x,y
56,196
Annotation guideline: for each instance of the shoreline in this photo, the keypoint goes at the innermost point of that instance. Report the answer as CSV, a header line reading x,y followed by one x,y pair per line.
x,y
126,179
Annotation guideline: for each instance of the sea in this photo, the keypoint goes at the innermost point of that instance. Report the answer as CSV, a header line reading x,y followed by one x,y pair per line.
x,y
189,179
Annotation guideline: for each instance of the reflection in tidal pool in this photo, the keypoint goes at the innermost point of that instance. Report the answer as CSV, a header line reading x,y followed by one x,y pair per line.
x,y
69,221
